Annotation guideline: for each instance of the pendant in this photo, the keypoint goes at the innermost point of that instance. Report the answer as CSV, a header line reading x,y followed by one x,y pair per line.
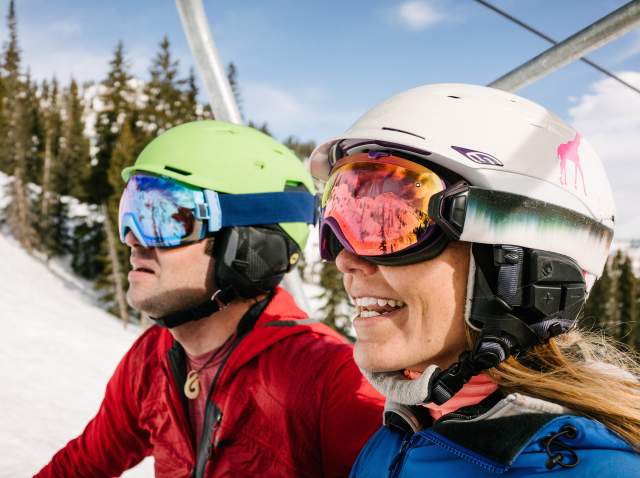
x,y
192,385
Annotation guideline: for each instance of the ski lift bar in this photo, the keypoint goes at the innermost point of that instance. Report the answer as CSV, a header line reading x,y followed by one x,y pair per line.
x,y
205,53
221,99
608,28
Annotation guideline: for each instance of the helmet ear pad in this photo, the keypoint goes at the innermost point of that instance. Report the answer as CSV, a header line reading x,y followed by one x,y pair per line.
x,y
252,260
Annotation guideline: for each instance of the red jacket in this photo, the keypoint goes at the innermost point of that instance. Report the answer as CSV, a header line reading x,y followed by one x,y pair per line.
x,y
289,401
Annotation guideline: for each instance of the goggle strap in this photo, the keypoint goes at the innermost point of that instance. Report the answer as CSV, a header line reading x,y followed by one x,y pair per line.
x,y
226,210
478,215
214,210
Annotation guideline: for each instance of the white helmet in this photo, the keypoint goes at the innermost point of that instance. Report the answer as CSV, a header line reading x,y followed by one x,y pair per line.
x,y
502,142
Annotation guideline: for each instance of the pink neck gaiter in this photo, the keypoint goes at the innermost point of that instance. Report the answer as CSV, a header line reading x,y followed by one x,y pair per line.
x,y
473,392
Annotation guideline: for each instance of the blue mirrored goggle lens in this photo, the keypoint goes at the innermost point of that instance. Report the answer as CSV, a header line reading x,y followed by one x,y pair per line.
x,y
159,211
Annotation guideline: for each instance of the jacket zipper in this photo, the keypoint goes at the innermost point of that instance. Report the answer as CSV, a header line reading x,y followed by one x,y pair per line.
x,y
396,464
212,414
456,416
474,459
212,421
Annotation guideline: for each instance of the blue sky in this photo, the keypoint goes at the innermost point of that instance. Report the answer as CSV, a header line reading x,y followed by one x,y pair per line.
x,y
311,68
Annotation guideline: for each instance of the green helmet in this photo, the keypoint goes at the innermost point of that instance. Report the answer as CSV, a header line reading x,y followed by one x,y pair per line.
x,y
226,158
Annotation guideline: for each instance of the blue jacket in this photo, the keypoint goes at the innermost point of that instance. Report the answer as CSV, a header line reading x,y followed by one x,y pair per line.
x,y
516,436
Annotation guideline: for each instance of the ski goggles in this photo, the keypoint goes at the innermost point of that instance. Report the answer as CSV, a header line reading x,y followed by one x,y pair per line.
x,y
162,212
392,211
376,205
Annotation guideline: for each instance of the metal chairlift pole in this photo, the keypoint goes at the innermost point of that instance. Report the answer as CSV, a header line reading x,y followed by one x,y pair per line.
x,y
608,28
220,95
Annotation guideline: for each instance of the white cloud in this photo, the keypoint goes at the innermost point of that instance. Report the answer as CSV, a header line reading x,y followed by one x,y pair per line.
x,y
307,113
609,116
418,14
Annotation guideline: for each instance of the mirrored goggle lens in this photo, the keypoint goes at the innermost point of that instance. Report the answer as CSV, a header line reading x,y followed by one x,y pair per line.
x,y
378,204
159,211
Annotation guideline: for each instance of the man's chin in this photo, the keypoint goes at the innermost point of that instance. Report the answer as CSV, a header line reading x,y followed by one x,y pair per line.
x,y
143,303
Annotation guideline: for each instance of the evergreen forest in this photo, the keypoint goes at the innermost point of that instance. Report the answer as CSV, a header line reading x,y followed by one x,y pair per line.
x,y
64,144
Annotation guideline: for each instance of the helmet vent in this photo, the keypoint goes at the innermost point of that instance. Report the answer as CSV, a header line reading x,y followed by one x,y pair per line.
x,y
294,186
176,170
402,131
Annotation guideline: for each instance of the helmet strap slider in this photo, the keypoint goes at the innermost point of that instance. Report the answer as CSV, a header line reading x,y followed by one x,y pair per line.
x,y
218,301
216,298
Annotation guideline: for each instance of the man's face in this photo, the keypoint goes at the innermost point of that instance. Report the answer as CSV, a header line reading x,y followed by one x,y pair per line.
x,y
165,280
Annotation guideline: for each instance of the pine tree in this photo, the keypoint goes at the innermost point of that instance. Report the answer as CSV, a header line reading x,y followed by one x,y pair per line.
x,y
335,310
93,238
53,231
636,324
87,245
124,154
613,327
16,149
4,125
302,149
116,108
597,309
191,111
627,296
35,129
263,128
74,161
165,99
232,77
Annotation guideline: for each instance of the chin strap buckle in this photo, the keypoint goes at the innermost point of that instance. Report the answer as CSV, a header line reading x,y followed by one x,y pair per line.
x,y
451,380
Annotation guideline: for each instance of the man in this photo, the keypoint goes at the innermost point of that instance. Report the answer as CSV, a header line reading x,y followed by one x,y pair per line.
x,y
234,380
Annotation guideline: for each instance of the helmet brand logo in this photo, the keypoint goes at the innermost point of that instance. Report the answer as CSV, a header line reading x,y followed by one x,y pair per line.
x,y
478,156
569,152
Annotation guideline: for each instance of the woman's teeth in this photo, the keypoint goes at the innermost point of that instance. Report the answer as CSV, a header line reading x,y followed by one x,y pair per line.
x,y
369,301
374,306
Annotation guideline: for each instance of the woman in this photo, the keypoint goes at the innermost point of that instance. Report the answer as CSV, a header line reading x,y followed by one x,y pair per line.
x,y
470,224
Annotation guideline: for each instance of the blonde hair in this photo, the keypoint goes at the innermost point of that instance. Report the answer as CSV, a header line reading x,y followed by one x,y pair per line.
x,y
584,372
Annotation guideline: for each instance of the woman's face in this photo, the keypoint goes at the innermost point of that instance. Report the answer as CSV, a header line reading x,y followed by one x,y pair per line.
x,y
424,326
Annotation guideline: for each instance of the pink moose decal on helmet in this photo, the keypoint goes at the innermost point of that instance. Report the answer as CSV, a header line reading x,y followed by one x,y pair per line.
x,y
569,152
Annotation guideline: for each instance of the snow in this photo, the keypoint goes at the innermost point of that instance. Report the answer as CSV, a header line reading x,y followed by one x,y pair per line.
x,y
59,350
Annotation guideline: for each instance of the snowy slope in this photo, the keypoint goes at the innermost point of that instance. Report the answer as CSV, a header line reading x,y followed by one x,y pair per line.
x,y
59,349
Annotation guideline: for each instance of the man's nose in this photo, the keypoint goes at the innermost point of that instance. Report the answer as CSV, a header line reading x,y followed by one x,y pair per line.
x,y
131,240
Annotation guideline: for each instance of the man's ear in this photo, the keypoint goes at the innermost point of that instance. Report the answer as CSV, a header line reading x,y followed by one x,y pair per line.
x,y
252,259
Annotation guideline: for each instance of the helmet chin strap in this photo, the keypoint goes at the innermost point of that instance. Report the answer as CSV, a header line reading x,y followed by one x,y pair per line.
x,y
218,301
521,297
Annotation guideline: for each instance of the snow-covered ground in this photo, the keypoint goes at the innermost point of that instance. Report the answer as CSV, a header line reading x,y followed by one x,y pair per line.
x,y
58,351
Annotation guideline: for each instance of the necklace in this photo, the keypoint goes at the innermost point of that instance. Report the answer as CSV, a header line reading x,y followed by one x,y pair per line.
x,y
192,383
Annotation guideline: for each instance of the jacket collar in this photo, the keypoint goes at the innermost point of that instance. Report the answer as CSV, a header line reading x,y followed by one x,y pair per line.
x,y
281,318
498,428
